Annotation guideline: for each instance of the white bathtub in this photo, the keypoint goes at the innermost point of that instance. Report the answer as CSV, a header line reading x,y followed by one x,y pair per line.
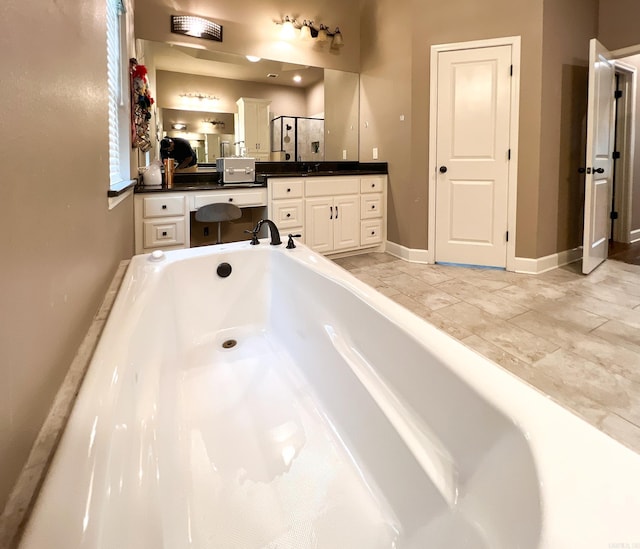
x,y
338,421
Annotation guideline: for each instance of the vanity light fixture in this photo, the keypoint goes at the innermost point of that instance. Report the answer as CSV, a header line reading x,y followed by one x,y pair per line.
x,y
215,123
306,31
179,126
197,27
199,97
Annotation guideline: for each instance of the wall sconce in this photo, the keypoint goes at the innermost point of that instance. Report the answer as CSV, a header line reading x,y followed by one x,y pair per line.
x,y
199,97
196,26
307,31
179,126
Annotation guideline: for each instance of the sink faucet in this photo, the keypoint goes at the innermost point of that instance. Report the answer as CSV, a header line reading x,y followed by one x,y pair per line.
x,y
275,234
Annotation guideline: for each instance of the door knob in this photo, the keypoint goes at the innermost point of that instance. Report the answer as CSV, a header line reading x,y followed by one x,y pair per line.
x,y
598,170
443,169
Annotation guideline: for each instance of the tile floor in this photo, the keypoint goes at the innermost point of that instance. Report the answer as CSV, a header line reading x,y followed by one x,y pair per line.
x,y
573,337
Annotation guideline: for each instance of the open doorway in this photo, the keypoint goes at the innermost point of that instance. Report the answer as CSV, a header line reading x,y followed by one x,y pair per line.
x,y
612,201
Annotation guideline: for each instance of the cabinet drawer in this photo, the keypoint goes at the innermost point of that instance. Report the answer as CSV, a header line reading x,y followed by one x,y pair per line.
x,y
372,184
287,189
168,232
370,205
371,232
288,213
163,206
331,186
241,198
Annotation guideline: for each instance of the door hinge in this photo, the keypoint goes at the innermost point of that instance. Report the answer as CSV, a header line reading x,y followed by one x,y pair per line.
x,y
511,70
613,215
617,94
616,155
507,236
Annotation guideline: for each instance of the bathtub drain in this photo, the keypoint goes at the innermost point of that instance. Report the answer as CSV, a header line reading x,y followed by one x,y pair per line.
x,y
229,343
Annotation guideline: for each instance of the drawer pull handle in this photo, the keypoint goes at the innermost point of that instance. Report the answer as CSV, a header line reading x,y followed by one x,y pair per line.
x,y
373,206
164,233
331,210
373,185
231,200
288,190
373,233
164,206
289,215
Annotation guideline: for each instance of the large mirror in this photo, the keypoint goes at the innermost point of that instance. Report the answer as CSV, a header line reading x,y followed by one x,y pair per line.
x,y
313,112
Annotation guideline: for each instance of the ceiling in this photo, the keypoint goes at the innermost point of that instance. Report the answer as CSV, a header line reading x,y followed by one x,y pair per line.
x,y
175,58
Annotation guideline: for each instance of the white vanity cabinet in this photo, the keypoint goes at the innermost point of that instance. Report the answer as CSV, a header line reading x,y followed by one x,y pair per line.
x,y
334,214
161,222
253,127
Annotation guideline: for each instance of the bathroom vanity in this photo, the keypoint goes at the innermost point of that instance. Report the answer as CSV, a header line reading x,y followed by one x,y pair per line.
x,y
334,211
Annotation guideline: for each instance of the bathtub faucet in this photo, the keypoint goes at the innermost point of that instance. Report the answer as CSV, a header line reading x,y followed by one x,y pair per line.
x,y
275,234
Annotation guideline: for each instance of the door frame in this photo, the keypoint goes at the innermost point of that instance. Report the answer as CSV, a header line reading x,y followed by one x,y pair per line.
x,y
514,42
626,115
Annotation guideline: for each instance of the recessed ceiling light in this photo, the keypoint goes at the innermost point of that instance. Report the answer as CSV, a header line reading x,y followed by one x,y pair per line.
x,y
297,78
272,75
253,58
179,126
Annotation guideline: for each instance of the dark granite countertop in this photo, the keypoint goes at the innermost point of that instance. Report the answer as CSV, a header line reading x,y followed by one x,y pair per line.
x,y
208,178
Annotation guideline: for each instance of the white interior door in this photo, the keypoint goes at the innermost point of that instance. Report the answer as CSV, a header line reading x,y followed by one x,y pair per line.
x,y
472,151
600,134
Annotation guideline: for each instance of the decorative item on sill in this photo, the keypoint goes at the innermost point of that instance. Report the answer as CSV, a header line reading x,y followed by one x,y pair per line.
x,y
141,102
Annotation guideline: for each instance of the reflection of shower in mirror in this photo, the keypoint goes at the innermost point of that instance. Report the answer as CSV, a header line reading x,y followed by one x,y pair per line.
x,y
298,138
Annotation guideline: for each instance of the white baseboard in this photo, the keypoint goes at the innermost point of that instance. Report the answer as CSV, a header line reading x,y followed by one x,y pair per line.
x,y
634,236
413,255
521,264
547,263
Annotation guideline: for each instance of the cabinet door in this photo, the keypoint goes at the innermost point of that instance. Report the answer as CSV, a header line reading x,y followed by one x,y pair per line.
x,y
319,222
346,233
263,139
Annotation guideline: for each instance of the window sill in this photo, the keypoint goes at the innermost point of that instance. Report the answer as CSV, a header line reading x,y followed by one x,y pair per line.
x,y
120,191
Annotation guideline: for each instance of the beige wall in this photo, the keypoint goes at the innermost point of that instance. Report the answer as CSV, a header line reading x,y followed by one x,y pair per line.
x,y
60,245
397,38
568,27
618,23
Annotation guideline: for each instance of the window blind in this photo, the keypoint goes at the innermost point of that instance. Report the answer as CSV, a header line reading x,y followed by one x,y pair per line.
x,y
115,9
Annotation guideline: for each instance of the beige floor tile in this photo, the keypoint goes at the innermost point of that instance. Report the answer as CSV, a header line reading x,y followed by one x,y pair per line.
x,y
620,333
612,358
491,302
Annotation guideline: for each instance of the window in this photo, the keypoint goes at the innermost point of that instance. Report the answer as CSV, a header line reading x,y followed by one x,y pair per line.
x,y
117,82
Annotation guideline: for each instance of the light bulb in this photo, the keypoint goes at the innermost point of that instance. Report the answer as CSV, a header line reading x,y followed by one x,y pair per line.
x,y
288,31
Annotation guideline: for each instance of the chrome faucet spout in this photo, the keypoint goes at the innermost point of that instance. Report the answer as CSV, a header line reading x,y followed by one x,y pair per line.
x,y
275,233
